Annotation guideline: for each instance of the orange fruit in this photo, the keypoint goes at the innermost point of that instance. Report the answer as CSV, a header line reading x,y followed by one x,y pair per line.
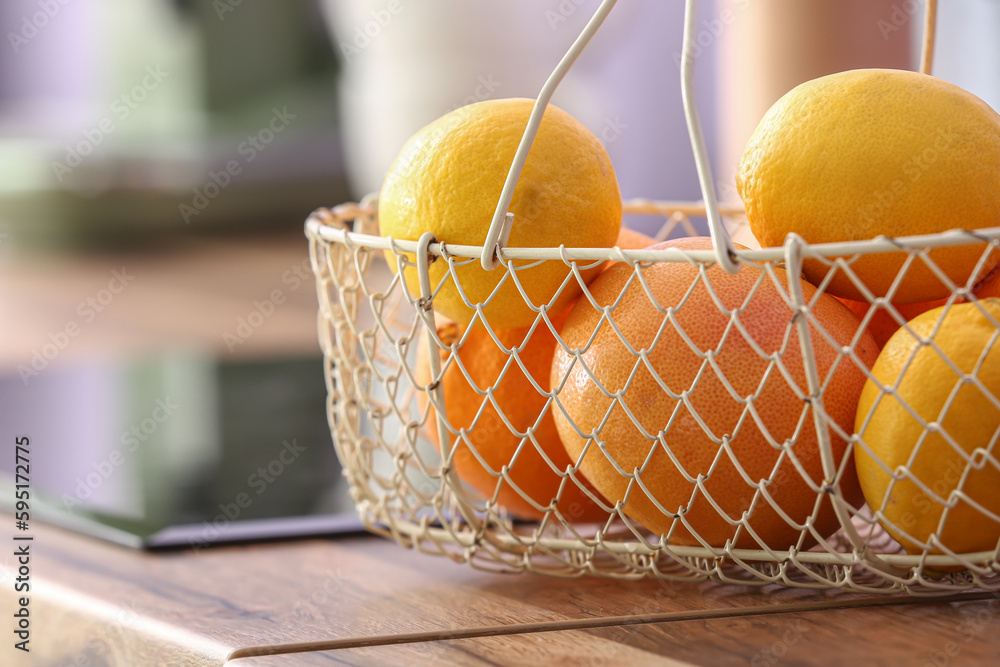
x,y
675,396
629,239
866,152
989,286
533,473
956,461
883,324
447,179
520,403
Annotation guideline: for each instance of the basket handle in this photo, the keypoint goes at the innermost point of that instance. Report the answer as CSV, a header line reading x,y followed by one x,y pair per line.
x,y
725,253
500,225
930,30
502,221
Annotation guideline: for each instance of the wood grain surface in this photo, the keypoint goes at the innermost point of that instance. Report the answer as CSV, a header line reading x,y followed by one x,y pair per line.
x,y
96,600
912,634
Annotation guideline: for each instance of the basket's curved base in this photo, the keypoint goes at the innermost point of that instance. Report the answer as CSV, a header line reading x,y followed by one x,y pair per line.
x,y
506,547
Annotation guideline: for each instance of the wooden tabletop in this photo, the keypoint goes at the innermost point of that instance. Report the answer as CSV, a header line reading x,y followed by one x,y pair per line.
x,y
365,600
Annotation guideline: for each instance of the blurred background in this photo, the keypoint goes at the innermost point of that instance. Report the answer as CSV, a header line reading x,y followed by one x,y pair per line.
x,y
158,159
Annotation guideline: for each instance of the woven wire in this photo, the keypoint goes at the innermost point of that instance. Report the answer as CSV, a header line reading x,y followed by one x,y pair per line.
x,y
370,327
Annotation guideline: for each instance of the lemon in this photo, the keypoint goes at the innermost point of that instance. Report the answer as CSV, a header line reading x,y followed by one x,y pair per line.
x,y
956,458
447,180
871,152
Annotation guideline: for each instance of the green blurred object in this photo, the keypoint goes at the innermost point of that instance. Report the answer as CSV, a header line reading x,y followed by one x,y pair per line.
x,y
197,118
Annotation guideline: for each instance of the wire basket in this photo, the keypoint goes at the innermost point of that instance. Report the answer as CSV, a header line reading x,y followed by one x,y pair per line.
x,y
384,422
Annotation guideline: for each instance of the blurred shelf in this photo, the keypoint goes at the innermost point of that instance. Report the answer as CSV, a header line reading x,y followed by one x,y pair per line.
x,y
183,292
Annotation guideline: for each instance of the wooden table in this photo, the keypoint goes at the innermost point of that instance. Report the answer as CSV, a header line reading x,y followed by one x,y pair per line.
x,y
365,600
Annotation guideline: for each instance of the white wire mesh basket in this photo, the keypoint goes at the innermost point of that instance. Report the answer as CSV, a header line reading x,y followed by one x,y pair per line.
x,y
387,408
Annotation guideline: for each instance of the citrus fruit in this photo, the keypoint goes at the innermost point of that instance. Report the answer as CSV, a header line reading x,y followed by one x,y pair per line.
x,y
883,323
447,180
989,286
676,398
871,152
955,460
521,404
497,429
629,239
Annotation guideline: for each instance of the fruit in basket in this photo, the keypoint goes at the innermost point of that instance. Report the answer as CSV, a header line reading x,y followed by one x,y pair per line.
x,y
447,179
515,400
521,404
629,239
882,323
871,152
988,286
952,459
676,397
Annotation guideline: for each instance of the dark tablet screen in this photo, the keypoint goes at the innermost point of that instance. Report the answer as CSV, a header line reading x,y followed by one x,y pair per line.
x,y
185,450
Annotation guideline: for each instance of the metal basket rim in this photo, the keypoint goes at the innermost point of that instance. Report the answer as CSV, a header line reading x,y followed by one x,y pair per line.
x,y
317,226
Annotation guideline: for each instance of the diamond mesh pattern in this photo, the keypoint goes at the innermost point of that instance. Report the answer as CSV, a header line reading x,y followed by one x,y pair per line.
x,y
370,328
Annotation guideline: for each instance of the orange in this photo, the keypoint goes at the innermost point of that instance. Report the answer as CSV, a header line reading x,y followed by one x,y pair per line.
x,y
629,239
882,323
988,286
521,404
447,179
871,152
956,461
498,430
676,398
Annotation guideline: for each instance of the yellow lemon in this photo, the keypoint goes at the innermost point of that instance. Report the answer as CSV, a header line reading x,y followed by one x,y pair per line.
x,y
447,180
955,459
871,152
